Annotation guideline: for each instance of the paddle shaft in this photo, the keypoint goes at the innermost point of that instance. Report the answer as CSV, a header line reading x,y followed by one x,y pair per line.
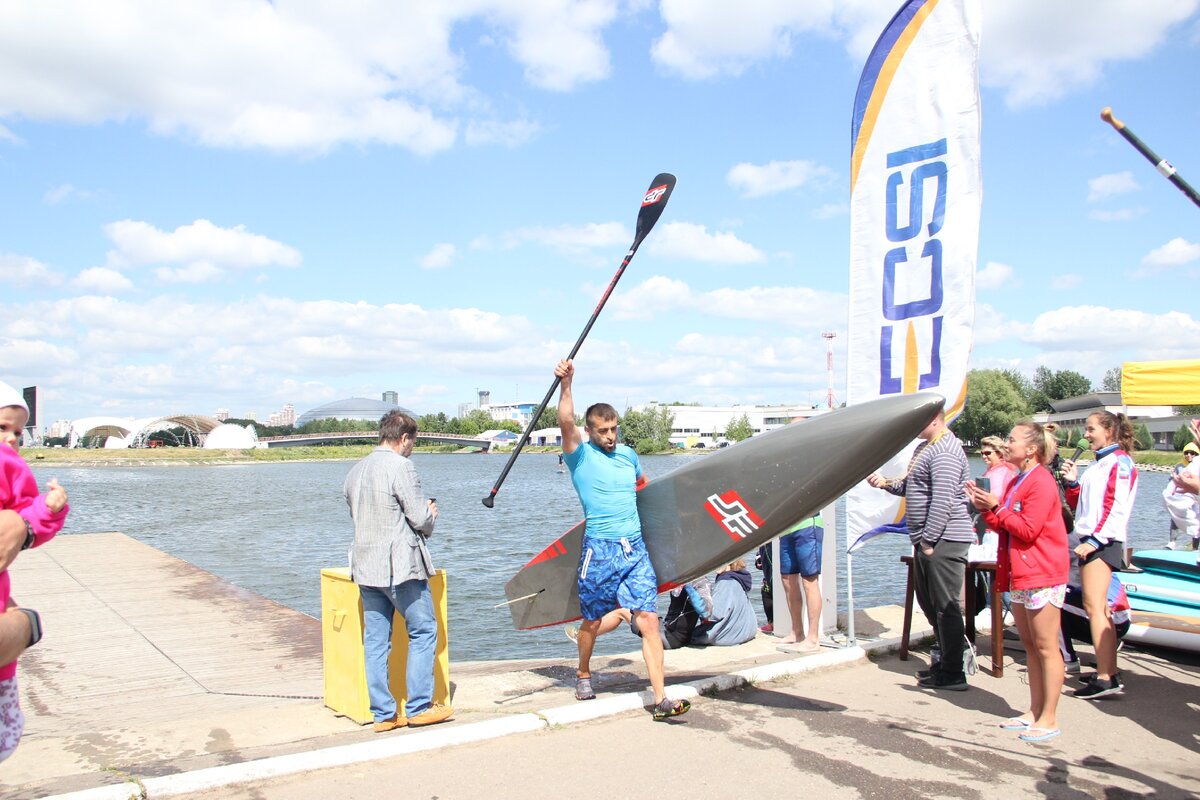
x,y
1161,164
653,204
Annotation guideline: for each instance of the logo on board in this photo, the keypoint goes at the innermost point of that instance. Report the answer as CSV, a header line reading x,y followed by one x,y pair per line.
x,y
732,513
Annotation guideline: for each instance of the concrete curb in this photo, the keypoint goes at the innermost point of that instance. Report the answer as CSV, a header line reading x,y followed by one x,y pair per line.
x,y
277,766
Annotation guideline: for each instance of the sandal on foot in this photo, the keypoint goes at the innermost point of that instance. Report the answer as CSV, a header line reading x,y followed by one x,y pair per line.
x,y
583,688
1015,724
1039,734
667,708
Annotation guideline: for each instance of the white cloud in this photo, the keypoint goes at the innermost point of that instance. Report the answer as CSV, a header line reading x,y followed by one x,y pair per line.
x,y
760,180
786,306
562,238
1035,51
994,275
62,193
101,280
1175,253
1109,185
440,257
197,253
292,75
22,271
831,211
687,240
1116,215
1169,335
1066,282
1040,51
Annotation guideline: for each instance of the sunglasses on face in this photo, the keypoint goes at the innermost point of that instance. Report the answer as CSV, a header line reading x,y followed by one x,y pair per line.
x,y
986,453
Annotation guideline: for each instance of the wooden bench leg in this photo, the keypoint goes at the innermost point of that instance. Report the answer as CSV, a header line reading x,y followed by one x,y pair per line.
x,y
997,632
908,608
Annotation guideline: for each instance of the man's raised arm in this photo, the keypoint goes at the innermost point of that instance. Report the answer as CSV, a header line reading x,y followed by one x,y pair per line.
x,y
565,371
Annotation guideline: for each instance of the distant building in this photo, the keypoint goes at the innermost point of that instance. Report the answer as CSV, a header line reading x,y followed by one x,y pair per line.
x,y
350,408
464,409
1072,412
222,414
704,426
390,397
251,415
520,413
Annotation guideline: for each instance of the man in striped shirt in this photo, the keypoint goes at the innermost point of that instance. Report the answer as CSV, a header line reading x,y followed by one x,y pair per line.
x,y
939,524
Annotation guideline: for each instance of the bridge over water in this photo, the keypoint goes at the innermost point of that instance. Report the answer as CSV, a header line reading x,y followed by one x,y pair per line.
x,y
299,439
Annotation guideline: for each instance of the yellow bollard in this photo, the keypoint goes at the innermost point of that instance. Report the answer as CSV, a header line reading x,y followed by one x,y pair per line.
x,y
342,647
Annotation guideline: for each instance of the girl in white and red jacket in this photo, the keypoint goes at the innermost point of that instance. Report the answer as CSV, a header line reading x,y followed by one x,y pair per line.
x,y
1103,502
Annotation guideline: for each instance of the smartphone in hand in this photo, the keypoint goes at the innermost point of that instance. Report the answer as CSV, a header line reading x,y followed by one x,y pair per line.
x,y
984,483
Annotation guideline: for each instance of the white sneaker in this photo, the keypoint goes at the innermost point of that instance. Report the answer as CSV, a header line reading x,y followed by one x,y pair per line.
x,y
1072,666
1170,545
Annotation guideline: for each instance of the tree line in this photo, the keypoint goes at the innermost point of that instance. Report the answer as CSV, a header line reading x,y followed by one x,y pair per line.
x,y
999,398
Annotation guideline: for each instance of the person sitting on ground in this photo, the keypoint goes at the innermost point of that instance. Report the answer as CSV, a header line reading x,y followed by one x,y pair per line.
x,y
726,619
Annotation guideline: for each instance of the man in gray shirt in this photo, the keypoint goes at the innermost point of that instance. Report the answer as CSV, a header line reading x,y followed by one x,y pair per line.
x,y
941,530
390,563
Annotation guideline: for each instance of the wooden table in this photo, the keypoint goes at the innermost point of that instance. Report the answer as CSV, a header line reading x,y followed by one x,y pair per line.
x,y
969,616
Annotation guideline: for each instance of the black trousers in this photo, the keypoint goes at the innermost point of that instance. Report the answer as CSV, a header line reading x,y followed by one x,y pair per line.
x,y
939,581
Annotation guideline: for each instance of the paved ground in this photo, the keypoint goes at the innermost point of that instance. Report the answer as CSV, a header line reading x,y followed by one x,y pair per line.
x,y
860,731
138,689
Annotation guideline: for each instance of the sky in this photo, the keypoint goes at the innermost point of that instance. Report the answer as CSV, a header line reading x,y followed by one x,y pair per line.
x,y
239,205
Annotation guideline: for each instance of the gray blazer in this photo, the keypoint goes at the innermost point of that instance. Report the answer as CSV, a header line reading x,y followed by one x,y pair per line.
x,y
392,520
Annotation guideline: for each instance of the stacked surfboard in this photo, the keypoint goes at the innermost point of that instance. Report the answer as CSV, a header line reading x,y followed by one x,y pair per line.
x,y
1164,598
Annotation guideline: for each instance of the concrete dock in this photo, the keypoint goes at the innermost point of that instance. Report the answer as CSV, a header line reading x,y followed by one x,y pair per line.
x,y
158,679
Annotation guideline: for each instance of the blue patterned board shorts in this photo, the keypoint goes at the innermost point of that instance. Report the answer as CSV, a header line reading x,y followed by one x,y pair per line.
x,y
1033,599
800,552
615,573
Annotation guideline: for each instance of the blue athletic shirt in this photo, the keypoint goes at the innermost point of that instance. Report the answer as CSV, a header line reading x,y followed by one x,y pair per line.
x,y
606,485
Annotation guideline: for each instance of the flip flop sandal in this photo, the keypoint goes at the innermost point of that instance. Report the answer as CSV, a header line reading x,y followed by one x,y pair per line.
x,y
667,708
1014,724
1039,734
583,689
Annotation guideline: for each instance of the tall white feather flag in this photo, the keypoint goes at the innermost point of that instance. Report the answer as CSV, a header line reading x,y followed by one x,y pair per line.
x,y
915,195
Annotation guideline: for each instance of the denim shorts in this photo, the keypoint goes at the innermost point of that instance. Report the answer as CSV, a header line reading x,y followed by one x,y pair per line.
x,y
800,552
615,573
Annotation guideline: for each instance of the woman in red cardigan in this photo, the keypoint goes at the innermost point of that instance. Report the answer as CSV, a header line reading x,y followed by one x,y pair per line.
x,y
1033,565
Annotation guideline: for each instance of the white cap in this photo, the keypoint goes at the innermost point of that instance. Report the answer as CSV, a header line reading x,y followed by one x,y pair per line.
x,y
11,397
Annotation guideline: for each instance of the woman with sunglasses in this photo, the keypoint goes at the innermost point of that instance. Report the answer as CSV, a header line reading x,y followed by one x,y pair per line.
x,y
995,464
1033,565
1181,505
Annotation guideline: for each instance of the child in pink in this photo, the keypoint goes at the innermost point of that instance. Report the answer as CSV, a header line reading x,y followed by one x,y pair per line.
x,y
44,516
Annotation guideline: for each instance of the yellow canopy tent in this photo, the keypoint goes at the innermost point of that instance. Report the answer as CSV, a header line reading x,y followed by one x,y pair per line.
x,y
1160,383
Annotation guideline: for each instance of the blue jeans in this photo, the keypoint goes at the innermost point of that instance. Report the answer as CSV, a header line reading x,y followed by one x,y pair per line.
x,y
415,604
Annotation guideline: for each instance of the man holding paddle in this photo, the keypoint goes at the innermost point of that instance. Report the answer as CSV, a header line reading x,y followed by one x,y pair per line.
x,y
614,567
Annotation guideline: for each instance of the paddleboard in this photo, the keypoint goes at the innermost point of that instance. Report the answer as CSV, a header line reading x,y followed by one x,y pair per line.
x,y
1161,588
1181,563
1177,631
723,505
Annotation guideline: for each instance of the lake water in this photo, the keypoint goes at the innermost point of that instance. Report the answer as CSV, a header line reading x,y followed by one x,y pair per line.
x,y
271,528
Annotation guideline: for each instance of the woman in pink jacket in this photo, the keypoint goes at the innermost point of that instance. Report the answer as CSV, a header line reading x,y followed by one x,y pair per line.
x,y
1033,566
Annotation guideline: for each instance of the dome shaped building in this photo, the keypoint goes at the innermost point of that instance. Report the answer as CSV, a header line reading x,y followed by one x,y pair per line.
x,y
350,408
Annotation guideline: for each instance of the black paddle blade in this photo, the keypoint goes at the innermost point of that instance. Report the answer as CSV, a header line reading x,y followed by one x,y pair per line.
x,y
652,205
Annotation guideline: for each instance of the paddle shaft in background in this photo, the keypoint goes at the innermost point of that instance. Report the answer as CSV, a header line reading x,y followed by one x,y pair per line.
x,y
1161,164
653,203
